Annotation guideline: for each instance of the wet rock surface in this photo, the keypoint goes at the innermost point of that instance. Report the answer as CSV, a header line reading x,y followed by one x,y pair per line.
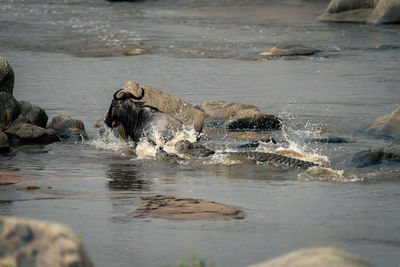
x,y
388,125
176,208
4,143
374,156
6,76
32,114
27,242
238,116
68,129
362,11
316,257
169,104
328,140
25,133
290,50
9,109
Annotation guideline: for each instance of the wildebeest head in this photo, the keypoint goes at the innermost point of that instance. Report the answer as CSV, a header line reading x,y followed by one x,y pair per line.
x,y
119,106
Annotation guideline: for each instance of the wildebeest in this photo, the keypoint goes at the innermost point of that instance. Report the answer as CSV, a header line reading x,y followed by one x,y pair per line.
x,y
134,119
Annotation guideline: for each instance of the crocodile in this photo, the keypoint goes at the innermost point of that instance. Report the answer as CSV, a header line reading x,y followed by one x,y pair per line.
x,y
276,159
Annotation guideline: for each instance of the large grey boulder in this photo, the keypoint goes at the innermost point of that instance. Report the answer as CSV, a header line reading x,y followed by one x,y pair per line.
x,y
27,242
9,109
68,129
27,134
388,125
170,104
4,144
32,114
362,11
316,257
6,76
386,11
337,6
238,116
373,156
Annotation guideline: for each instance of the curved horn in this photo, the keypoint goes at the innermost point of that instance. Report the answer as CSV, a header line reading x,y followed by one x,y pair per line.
x,y
123,95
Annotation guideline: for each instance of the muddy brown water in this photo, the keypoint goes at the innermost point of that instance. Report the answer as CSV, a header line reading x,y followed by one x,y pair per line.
x,y
69,58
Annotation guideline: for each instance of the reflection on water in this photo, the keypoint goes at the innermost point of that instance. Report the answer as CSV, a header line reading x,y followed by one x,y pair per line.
x,y
126,177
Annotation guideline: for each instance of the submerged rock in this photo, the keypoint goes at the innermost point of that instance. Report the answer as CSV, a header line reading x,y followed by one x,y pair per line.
x,y
193,149
374,156
32,114
25,134
290,50
4,144
26,242
9,109
388,125
175,208
316,257
169,104
238,116
68,129
6,76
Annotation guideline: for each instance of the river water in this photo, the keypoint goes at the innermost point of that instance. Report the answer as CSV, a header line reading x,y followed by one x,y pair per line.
x,y
70,56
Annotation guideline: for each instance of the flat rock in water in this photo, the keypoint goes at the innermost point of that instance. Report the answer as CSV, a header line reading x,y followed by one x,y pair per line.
x,y
169,104
32,114
388,125
175,208
290,50
238,116
25,134
9,109
328,140
68,129
6,76
26,242
7,178
316,257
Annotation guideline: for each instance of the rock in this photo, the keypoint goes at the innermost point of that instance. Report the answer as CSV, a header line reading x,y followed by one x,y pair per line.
x,y
327,140
25,134
32,114
174,208
238,116
167,103
4,144
367,158
27,242
290,50
6,76
316,257
193,149
337,6
386,11
373,156
362,11
9,110
388,125
68,129
248,119
351,16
